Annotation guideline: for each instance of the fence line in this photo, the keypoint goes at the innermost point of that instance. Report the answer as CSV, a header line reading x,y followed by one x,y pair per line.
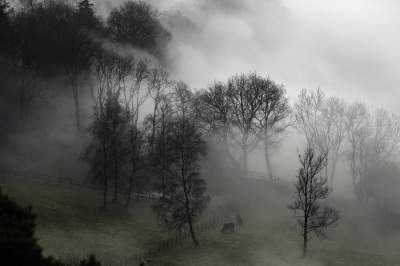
x,y
151,253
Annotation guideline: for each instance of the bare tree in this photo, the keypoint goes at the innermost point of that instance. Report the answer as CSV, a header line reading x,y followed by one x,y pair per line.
x,y
308,113
357,120
333,132
310,190
134,96
183,101
104,152
385,135
273,117
159,151
158,86
135,150
322,122
214,111
244,94
111,73
185,198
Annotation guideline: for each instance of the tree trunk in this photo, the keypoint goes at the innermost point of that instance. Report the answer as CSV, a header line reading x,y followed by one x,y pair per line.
x,y
268,163
187,208
115,173
128,199
305,237
353,171
153,125
245,154
105,174
305,241
192,234
75,95
266,149
245,167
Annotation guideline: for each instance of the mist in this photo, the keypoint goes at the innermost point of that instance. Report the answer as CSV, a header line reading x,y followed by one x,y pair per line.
x,y
347,49
192,128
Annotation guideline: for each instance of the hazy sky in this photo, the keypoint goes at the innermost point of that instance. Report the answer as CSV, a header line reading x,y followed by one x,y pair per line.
x,y
348,48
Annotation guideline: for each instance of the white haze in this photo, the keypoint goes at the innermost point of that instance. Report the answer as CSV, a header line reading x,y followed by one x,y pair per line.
x,y
347,48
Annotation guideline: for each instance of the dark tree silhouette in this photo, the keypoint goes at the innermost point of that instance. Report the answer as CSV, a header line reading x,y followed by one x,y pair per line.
x,y
137,23
273,116
158,86
159,138
214,111
48,40
244,95
18,246
135,147
86,16
17,243
310,190
184,198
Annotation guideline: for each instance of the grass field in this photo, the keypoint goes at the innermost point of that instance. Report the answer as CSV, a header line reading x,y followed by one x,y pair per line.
x,y
71,222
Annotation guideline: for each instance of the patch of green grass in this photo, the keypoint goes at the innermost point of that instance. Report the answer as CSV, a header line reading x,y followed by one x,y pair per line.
x,y
71,222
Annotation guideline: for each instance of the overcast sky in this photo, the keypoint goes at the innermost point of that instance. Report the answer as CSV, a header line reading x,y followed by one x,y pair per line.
x,y
347,48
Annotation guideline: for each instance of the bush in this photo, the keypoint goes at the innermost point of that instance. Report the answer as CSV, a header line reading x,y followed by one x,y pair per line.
x,y
18,246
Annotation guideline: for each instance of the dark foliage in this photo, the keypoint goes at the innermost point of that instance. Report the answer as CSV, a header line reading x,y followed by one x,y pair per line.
x,y
137,23
18,246
86,16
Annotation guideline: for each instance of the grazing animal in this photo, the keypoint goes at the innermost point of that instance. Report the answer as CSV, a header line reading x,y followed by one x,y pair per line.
x,y
239,221
228,228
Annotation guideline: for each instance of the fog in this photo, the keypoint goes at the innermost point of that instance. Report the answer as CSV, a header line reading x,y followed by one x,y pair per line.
x,y
347,49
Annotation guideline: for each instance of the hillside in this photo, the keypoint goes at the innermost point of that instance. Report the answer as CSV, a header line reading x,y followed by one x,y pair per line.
x,y
70,223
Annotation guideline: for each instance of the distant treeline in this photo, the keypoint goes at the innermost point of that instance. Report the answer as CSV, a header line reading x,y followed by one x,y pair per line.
x,y
45,40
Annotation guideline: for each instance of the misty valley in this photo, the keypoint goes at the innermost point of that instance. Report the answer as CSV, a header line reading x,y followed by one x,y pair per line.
x,y
226,132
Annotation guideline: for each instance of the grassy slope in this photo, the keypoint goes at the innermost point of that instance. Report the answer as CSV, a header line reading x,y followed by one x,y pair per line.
x,y
71,222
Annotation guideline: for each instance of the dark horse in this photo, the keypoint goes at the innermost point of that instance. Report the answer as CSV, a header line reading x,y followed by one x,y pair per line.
x,y
228,228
